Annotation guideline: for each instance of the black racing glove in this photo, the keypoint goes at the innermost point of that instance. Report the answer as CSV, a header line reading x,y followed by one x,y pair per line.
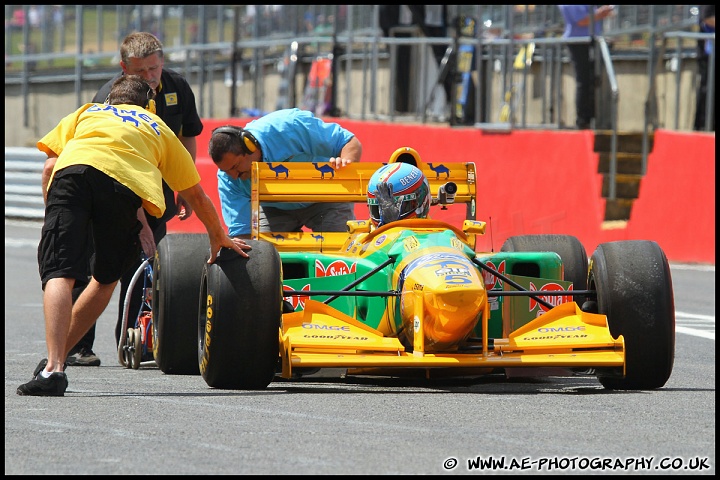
x,y
389,210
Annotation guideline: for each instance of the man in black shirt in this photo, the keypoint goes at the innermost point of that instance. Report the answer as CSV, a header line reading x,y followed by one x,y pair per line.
x,y
706,21
141,53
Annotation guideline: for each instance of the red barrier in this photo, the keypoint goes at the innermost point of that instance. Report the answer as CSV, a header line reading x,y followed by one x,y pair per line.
x,y
676,205
545,182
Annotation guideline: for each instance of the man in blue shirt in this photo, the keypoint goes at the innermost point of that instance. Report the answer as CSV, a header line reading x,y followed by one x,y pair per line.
x,y
289,135
577,24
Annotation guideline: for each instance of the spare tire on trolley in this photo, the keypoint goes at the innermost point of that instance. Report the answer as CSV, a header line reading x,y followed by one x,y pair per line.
x,y
178,266
571,252
241,304
634,290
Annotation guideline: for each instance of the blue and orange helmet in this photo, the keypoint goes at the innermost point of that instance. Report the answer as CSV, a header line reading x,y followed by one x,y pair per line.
x,y
397,191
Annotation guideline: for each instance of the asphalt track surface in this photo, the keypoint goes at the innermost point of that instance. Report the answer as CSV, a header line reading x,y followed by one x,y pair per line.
x,y
119,421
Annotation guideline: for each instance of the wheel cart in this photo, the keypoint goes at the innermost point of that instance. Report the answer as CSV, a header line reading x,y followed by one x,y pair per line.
x,y
135,348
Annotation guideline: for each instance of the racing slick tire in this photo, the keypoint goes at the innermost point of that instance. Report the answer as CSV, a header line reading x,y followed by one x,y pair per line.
x,y
571,252
178,266
241,305
634,290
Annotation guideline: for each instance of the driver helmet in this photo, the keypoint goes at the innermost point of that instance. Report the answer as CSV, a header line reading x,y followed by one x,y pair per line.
x,y
409,188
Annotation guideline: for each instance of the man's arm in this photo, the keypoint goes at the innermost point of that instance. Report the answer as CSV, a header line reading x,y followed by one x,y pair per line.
x,y
235,205
183,208
46,173
147,239
207,214
190,144
351,152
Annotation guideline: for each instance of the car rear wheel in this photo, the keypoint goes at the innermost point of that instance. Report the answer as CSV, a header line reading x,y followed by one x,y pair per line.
x,y
241,308
177,269
634,290
571,252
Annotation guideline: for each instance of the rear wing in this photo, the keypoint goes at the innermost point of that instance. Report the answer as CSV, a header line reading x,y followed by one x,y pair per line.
x,y
320,182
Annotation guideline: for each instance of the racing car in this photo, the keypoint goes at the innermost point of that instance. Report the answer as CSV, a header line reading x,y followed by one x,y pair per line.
x,y
410,297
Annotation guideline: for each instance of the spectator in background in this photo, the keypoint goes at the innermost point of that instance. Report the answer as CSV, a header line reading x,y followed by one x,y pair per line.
x,y
18,19
58,21
57,16
34,16
309,22
435,23
324,26
401,16
577,24
194,30
706,19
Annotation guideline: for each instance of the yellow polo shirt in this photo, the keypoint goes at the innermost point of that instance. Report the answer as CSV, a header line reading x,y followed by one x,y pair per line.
x,y
128,143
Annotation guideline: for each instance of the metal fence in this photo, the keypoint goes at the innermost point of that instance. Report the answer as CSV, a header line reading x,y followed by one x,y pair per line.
x,y
38,29
77,43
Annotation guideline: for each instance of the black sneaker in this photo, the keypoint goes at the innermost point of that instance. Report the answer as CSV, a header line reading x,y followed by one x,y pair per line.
x,y
84,358
41,366
53,386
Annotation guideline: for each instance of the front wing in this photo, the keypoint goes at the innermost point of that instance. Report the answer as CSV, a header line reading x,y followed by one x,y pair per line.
x,y
320,336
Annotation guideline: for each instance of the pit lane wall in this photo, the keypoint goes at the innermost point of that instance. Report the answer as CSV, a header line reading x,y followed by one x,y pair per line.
x,y
538,182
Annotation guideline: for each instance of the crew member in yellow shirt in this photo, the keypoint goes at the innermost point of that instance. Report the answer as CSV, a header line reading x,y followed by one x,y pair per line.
x,y
110,160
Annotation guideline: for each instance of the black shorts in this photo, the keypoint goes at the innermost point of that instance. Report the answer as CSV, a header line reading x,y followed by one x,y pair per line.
x,y
85,205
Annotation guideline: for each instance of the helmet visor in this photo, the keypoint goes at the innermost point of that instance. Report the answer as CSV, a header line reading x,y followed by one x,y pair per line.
x,y
408,204
374,209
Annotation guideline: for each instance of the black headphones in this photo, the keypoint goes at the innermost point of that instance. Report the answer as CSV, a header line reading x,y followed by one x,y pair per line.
x,y
247,141
150,104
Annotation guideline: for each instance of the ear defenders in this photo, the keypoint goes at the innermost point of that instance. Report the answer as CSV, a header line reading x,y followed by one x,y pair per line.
x,y
248,143
150,107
